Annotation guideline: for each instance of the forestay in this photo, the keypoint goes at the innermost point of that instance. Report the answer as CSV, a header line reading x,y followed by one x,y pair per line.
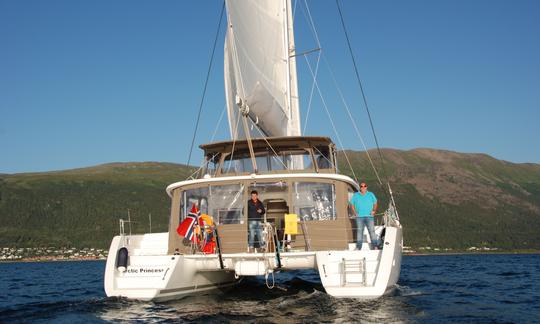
x,y
260,68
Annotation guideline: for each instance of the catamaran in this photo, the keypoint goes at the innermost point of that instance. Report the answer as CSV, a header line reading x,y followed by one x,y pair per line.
x,y
307,223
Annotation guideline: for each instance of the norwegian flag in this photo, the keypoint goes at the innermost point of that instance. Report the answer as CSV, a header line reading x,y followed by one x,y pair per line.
x,y
187,227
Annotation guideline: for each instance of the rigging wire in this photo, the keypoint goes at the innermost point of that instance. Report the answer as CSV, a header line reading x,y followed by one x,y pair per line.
x,y
311,92
270,145
311,23
316,36
235,135
218,123
353,122
309,18
361,87
331,120
203,165
206,83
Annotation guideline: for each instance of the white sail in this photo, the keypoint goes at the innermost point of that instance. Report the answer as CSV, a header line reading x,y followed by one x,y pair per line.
x,y
260,68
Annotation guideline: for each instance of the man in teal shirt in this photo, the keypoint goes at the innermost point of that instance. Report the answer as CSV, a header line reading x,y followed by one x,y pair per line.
x,y
364,206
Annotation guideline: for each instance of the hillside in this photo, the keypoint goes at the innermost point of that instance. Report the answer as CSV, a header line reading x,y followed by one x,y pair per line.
x,y
445,199
81,207
458,200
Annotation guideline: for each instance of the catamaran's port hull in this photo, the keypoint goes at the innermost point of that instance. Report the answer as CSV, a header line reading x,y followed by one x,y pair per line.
x,y
160,277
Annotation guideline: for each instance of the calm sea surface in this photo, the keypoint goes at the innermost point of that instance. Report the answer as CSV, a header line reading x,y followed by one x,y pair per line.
x,y
454,288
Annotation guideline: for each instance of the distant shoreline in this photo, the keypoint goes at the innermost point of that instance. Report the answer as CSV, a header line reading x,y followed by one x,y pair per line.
x,y
471,252
51,259
55,259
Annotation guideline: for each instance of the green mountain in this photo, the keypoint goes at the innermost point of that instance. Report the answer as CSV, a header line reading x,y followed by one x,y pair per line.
x,y
457,200
81,207
445,199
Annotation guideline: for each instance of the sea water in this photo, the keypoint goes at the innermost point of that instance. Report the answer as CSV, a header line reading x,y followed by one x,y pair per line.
x,y
451,288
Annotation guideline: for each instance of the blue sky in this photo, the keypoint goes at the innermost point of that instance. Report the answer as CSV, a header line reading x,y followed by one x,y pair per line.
x,y
90,82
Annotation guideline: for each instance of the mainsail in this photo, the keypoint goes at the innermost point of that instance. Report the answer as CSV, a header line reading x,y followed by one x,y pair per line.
x,y
260,68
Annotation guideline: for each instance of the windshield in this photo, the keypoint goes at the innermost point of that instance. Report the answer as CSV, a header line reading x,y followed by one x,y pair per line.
x,y
268,161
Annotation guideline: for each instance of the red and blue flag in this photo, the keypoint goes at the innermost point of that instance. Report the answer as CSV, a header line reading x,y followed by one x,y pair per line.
x,y
187,227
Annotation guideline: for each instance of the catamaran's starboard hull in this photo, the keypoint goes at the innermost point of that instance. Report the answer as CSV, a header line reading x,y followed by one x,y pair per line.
x,y
365,274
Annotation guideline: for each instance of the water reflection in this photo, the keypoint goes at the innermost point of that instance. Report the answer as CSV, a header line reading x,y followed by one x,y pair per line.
x,y
453,288
296,299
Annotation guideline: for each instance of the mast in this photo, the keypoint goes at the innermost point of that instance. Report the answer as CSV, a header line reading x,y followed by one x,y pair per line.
x,y
292,84
286,49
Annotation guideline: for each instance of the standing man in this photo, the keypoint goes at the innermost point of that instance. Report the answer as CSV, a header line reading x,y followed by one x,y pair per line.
x,y
364,206
255,218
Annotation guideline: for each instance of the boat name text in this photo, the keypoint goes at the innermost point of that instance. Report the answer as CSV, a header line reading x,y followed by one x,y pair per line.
x,y
144,270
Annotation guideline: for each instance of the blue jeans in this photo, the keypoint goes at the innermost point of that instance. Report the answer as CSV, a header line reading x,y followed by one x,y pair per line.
x,y
254,227
361,222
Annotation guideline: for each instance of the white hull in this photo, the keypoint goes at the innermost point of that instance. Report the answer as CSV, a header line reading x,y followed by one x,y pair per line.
x,y
152,274
362,274
159,276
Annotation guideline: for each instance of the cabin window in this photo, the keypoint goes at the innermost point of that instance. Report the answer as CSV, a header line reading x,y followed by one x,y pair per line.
x,y
194,197
298,160
262,163
242,164
322,157
268,161
277,162
210,168
229,165
314,201
224,203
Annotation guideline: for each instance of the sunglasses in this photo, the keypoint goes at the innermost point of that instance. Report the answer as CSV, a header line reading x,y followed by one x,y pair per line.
x,y
363,186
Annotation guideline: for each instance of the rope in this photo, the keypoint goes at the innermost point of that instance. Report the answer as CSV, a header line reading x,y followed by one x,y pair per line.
x,y
361,87
206,83
273,280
